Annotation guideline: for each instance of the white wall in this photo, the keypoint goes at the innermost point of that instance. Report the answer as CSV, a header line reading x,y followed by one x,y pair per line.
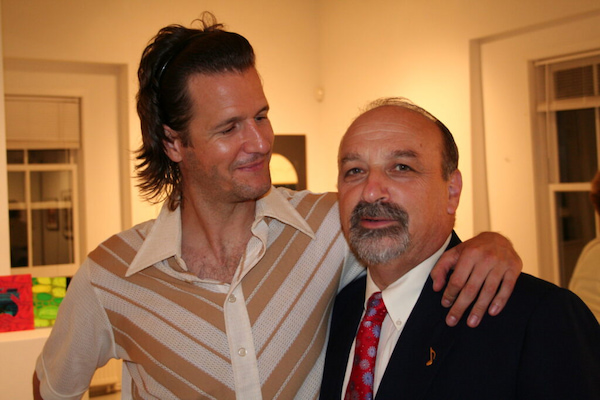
x,y
97,87
4,233
508,134
420,50
354,50
19,352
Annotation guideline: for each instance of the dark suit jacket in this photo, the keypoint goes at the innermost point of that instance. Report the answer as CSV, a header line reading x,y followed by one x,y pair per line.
x,y
544,345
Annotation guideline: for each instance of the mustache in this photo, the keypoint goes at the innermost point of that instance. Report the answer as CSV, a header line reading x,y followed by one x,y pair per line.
x,y
380,245
390,211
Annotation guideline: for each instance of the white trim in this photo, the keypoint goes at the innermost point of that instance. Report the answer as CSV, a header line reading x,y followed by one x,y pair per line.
x,y
569,57
29,205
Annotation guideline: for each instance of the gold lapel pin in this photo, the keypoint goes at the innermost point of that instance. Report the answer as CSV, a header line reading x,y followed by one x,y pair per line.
x,y
431,357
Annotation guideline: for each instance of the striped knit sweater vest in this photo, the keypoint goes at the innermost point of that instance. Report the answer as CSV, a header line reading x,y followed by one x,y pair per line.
x,y
169,328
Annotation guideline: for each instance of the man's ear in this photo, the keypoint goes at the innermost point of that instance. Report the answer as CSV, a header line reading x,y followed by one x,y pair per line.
x,y
454,190
172,145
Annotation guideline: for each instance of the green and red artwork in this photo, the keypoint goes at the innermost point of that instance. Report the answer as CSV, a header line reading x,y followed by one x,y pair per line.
x,y
48,293
16,305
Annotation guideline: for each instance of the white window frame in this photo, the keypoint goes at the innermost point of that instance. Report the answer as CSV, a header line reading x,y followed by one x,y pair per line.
x,y
72,166
548,176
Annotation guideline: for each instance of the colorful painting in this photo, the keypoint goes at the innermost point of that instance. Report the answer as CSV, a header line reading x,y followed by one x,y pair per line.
x,y
48,293
16,306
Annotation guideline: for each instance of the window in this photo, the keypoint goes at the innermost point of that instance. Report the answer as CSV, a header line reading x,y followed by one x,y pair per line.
x,y
568,122
42,165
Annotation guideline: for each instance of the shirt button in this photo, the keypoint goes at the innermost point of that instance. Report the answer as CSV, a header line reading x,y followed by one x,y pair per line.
x,y
242,352
398,322
232,298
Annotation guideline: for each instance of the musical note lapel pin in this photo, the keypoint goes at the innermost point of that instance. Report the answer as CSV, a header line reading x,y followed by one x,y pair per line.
x,y
431,357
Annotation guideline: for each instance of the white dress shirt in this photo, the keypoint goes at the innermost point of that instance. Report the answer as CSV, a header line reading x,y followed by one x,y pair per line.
x,y
400,298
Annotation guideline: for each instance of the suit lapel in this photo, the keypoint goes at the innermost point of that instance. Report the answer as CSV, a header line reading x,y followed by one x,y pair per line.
x,y
422,347
420,351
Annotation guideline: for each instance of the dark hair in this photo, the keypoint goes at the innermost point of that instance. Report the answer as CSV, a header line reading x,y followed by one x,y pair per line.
x,y
172,57
449,151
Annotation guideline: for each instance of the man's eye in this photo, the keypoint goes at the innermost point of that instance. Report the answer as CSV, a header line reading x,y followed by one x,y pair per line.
x,y
402,167
353,171
228,130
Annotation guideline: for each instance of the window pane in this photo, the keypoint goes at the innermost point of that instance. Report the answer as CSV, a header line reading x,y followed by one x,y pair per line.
x,y
15,157
49,156
18,238
16,187
50,185
574,82
52,239
576,227
576,131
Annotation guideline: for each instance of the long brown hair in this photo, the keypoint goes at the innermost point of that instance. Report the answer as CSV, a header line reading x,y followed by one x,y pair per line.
x,y
173,55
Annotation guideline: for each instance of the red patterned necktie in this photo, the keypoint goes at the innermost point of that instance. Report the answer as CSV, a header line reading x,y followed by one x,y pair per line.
x,y
360,386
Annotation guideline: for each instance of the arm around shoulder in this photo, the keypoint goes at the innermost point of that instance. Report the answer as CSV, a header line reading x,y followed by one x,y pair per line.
x,y
486,269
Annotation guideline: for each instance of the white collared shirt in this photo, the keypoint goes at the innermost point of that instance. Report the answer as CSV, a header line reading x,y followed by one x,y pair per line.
x,y
399,298
261,334
164,239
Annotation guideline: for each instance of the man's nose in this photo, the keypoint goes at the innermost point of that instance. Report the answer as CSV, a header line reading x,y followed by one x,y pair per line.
x,y
375,188
259,138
